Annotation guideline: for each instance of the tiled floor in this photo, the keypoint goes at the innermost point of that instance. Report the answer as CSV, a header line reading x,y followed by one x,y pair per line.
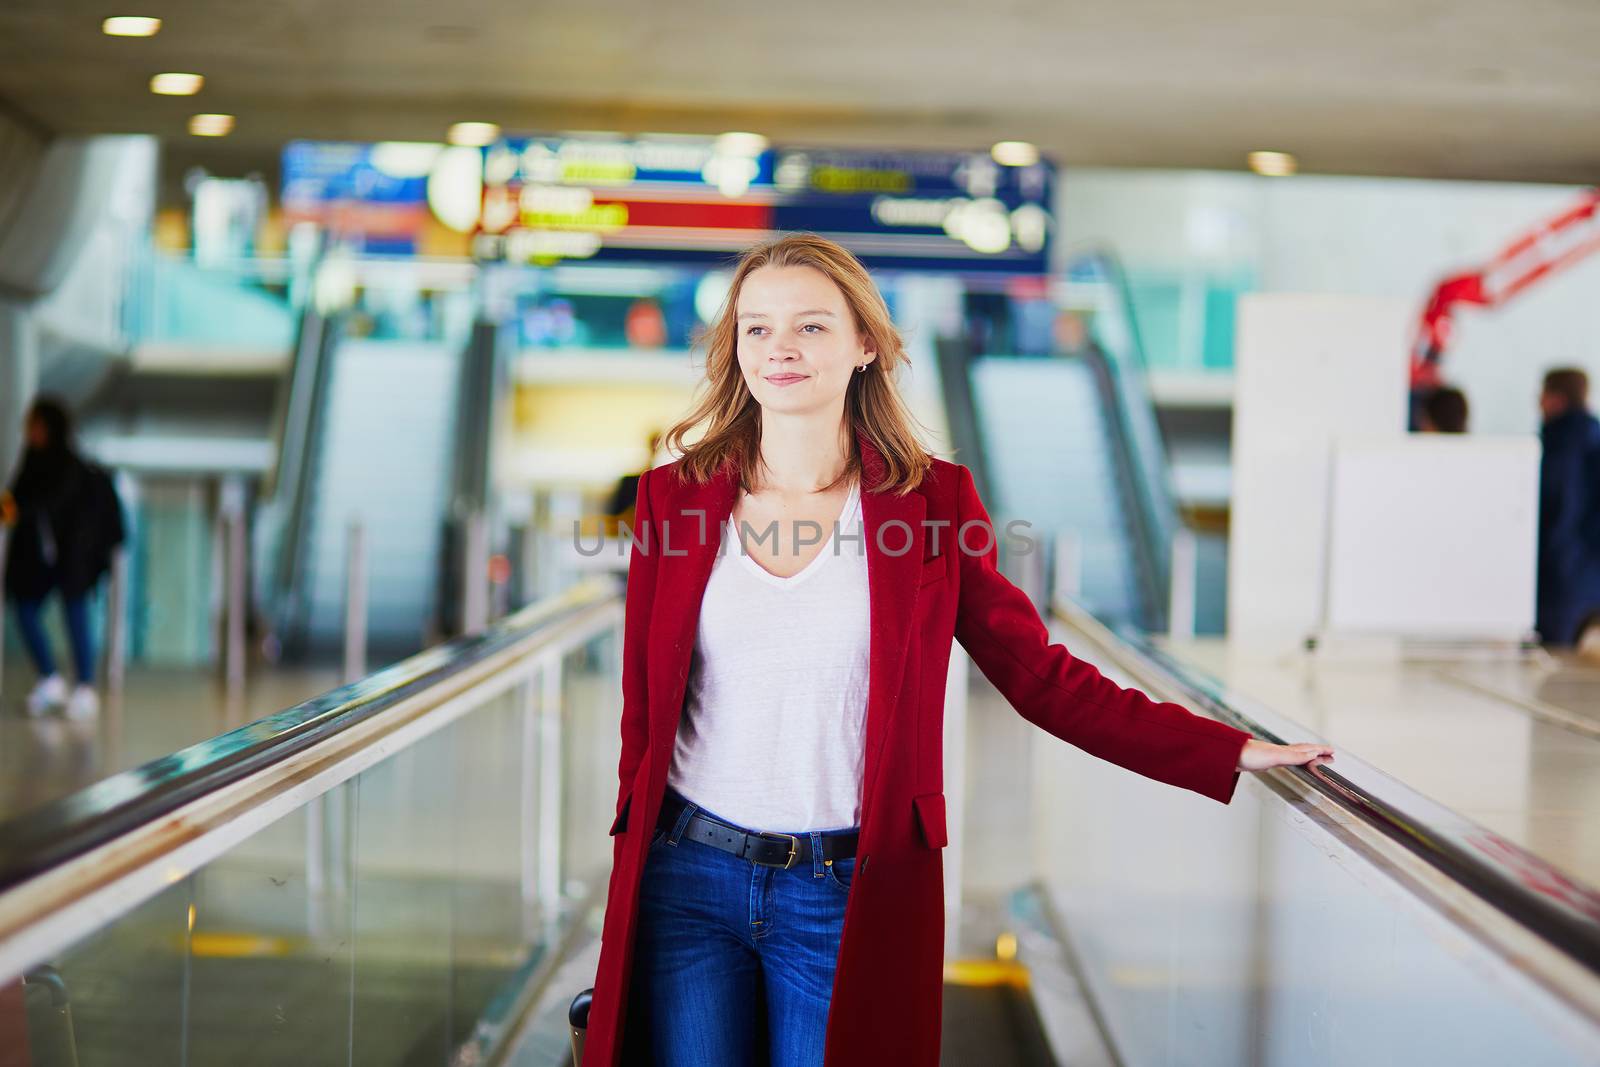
x,y
158,713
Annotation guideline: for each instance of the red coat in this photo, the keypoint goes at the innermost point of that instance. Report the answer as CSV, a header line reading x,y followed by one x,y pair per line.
x,y
888,984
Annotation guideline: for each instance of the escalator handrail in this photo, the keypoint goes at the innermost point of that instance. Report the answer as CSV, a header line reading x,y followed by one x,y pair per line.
x,y
1122,374
1149,580
1159,491
47,837
1524,888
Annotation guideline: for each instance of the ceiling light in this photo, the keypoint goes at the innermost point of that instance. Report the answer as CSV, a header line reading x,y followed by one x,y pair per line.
x,y
473,134
404,159
739,143
176,84
131,26
455,188
1015,153
1273,164
211,125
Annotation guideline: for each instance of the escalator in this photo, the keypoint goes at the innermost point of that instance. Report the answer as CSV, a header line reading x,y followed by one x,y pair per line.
x,y
383,421
991,1019
1070,445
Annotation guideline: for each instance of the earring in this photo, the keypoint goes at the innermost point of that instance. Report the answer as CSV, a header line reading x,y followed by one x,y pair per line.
x,y
861,368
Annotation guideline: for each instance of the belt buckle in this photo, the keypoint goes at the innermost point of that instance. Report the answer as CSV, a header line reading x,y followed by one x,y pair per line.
x,y
794,847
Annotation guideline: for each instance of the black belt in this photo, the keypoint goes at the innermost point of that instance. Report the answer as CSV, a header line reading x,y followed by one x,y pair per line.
x,y
761,847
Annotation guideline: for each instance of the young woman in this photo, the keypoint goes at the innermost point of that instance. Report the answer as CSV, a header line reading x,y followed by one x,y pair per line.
x,y
61,537
796,580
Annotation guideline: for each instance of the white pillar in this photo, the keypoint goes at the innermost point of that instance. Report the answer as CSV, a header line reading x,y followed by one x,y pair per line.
x,y
1309,369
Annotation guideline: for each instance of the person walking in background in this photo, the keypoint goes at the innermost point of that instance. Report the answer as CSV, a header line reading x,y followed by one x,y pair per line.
x,y
64,522
1569,509
620,508
1444,411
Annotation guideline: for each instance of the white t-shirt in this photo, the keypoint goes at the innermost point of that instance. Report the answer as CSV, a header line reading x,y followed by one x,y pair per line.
x,y
772,733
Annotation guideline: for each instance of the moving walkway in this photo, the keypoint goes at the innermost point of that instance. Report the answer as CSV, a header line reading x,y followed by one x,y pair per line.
x,y
409,869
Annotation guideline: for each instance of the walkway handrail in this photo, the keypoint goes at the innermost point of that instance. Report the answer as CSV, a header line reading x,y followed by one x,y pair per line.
x,y
157,814
1513,881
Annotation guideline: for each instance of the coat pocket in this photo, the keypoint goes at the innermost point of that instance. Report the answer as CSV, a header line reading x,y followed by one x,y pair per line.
x,y
930,816
932,570
620,823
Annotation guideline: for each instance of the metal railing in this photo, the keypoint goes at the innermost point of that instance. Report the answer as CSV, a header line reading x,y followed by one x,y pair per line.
x,y
79,867
1526,909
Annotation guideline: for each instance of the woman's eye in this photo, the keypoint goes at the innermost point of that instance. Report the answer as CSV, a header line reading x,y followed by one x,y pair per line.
x,y
754,330
812,326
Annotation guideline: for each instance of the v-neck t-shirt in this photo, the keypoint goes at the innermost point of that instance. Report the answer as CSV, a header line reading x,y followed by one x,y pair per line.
x,y
772,735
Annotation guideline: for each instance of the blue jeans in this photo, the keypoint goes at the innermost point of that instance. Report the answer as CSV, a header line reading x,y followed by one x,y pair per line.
x,y
733,963
38,643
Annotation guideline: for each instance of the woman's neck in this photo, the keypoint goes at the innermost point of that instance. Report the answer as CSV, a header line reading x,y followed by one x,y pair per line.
x,y
802,454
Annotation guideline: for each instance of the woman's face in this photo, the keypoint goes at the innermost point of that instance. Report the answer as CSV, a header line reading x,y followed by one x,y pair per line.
x,y
798,344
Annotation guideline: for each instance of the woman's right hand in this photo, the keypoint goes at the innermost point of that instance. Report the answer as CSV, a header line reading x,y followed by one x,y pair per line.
x,y
1263,755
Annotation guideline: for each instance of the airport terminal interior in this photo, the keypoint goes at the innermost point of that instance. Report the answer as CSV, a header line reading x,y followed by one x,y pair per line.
x,y
1269,326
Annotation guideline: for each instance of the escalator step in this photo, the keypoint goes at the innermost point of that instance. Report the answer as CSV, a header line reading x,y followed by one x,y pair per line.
x,y
994,1025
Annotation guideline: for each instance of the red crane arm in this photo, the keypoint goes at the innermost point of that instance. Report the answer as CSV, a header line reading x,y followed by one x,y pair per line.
x,y
1553,244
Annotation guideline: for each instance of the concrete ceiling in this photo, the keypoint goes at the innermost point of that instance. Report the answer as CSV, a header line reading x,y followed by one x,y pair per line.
x,y
1435,88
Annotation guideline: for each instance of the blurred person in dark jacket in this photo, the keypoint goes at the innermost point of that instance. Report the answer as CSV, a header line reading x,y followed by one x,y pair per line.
x,y
1444,411
65,521
1569,509
620,508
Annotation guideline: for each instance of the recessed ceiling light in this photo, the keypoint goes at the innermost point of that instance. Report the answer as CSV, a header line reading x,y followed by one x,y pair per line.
x,y
176,84
473,134
1015,153
131,26
211,125
1273,164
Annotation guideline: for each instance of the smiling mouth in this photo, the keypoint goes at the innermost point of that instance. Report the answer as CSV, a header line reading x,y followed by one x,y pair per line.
x,y
785,377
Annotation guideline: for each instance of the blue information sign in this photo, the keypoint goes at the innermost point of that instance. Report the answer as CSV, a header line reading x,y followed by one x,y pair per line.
x,y
677,199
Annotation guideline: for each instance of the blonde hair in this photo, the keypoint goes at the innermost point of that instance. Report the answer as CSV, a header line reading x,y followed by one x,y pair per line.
x,y
872,406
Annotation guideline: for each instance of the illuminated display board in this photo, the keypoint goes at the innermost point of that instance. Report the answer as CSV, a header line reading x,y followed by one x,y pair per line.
x,y
661,198
376,191
921,210
684,199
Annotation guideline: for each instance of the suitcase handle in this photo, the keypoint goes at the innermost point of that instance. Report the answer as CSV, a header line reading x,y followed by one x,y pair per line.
x,y
578,1019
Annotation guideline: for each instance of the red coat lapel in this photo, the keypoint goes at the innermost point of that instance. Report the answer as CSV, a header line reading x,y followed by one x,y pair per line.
x,y
691,524
895,548
691,532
